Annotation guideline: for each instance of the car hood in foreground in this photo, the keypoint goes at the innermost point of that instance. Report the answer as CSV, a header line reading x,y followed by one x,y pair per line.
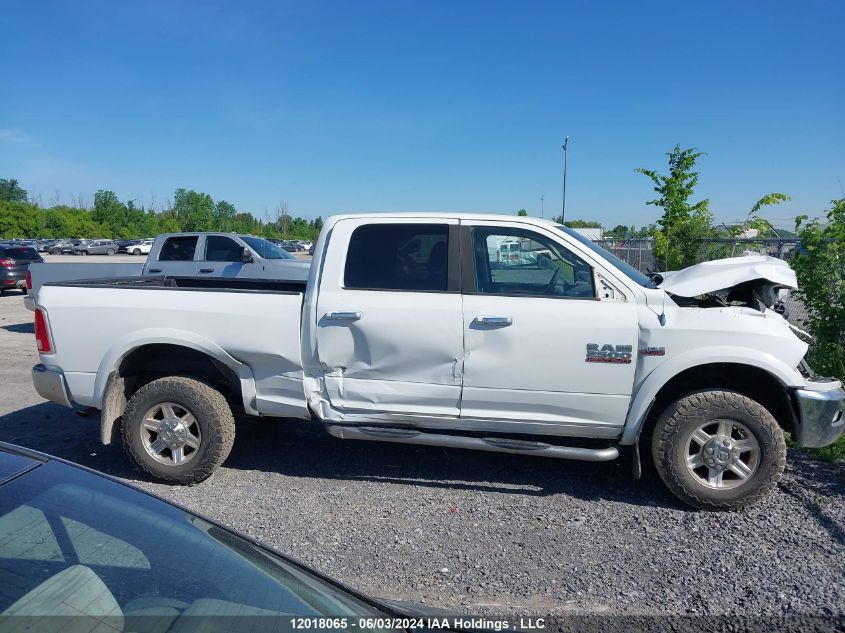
x,y
722,274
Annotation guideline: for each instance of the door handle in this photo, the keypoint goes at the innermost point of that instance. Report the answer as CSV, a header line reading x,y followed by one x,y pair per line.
x,y
494,320
154,270
206,270
343,316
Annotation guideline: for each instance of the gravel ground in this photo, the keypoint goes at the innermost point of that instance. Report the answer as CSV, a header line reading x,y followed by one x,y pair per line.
x,y
482,532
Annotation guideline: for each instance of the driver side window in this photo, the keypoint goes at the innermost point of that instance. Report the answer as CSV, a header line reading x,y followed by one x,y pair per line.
x,y
519,262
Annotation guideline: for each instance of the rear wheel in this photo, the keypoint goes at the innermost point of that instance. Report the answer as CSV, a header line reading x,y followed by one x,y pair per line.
x,y
110,251
136,251
718,450
178,429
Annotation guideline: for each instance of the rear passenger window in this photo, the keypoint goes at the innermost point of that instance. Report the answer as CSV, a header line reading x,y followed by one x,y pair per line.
x,y
178,249
398,257
222,249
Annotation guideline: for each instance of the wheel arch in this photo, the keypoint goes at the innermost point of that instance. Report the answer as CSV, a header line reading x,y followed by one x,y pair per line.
x,y
766,381
126,368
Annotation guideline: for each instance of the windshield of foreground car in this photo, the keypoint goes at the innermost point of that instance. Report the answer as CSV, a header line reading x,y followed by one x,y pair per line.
x,y
632,273
266,249
63,526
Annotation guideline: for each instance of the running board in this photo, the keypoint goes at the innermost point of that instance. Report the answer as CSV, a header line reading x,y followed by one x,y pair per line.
x,y
494,444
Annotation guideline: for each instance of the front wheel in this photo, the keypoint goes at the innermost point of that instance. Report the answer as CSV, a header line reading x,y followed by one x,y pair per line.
x,y
718,450
178,429
136,251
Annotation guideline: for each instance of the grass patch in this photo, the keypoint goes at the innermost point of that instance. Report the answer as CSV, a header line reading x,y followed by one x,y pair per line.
x,y
833,453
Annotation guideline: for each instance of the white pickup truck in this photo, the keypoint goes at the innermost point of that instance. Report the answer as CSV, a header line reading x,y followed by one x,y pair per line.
x,y
408,330
182,254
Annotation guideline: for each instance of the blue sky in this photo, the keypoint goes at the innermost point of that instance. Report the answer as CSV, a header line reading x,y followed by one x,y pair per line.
x,y
379,106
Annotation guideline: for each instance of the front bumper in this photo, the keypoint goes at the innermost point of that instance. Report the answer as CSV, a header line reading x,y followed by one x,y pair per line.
x,y
50,384
821,413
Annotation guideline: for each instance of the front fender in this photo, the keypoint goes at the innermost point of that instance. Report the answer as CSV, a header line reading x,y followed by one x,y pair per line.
x,y
648,389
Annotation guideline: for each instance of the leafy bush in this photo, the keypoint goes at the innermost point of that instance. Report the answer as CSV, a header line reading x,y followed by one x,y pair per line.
x,y
820,266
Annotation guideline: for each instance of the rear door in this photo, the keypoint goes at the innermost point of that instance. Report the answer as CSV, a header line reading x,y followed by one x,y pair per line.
x,y
542,349
175,258
389,333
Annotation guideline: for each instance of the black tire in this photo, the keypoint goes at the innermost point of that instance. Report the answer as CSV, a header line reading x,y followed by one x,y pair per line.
x,y
671,445
56,251
213,416
110,251
136,251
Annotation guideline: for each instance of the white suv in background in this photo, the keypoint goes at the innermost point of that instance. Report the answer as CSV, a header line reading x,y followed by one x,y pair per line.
x,y
141,249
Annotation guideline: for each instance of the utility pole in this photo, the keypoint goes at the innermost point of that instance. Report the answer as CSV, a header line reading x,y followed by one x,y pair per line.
x,y
542,215
565,147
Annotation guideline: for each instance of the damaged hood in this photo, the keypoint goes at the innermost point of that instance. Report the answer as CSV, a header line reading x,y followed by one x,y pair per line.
x,y
726,273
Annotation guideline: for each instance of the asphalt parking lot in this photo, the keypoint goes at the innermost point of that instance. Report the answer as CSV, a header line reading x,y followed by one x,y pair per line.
x,y
476,531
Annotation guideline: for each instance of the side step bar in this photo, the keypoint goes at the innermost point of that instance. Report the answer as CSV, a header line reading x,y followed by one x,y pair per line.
x,y
494,444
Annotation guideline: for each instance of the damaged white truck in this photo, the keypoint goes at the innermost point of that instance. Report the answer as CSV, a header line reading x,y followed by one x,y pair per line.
x,y
495,333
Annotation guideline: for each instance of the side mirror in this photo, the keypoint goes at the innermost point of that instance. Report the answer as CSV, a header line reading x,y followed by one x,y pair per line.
x,y
246,256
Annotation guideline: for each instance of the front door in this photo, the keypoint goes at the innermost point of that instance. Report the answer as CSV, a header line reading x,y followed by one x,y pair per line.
x,y
221,256
389,332
541,348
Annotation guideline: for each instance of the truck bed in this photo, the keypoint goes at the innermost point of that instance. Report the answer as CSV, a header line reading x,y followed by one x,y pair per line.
x,y
251,325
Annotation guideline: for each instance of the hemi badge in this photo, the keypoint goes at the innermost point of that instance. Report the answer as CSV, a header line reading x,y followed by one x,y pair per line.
x,y
653,351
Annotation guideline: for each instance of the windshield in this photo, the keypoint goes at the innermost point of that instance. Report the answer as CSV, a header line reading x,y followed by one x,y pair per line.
x,y
107,547
632,273
266,249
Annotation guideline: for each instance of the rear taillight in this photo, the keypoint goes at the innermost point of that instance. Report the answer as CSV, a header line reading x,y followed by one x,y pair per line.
x,y
42,333
28,280
7,263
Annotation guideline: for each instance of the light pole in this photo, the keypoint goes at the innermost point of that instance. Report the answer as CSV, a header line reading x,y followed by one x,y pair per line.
x,y
565,147
542,215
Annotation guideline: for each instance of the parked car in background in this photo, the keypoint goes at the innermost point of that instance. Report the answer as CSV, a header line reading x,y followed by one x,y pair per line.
x,y
96,247
140,247
65,247
290,246
205,255
14,262
305,244
123,245
44,246
222,255
81,551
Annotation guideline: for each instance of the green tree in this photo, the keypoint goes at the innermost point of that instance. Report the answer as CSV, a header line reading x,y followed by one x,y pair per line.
x,y
683,224
11,192
620,232
194,211
580,224
522,213
763,227
111,213
224,212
